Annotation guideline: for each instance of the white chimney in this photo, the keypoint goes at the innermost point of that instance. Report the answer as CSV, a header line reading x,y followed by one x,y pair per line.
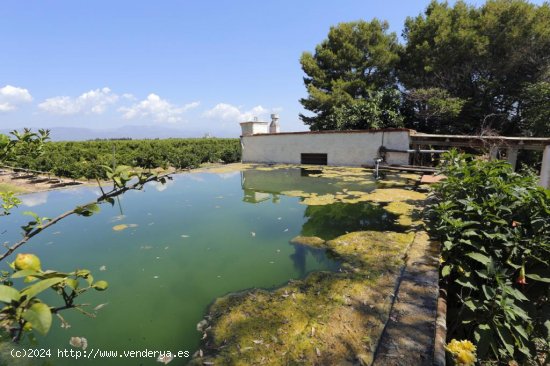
x,y
274,126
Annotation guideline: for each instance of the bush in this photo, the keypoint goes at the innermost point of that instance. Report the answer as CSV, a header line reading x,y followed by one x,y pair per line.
x,y
495,228
82,159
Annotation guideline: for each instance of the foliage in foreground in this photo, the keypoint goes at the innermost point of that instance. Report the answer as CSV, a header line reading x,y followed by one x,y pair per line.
x,y
21,310
494,225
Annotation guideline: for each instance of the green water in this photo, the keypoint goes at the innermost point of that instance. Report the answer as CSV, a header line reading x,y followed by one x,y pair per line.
x,y
197,238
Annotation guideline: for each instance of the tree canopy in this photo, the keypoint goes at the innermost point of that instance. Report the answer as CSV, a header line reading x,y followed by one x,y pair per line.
x,y
348,69
461,69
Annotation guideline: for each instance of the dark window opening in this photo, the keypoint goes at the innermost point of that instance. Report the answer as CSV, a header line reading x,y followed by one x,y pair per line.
x,y
314,159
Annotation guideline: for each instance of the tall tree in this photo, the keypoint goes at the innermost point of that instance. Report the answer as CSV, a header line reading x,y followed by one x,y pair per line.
x,y
351,66
485,57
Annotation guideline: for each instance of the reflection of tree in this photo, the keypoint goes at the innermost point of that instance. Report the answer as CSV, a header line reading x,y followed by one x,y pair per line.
x,y
300,254
331,221
299,259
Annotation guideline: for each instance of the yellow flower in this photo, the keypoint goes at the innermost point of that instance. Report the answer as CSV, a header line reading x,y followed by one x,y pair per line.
x,y
463,352
468,346
465,358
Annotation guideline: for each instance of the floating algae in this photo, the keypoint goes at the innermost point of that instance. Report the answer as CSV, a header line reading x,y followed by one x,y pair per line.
x,y
378,195
121,227
328,317
312,241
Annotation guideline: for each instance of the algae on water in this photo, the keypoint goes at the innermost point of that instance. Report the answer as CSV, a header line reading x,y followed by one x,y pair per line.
x,y
328,318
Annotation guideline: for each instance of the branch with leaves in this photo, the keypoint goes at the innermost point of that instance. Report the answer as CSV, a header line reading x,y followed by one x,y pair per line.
x,y
22,309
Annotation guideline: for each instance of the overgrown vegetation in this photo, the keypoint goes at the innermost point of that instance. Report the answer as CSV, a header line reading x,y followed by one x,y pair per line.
x,y
85,159
494,225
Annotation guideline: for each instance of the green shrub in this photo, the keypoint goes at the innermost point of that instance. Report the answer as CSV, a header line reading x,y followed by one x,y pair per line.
x,y
82,159
494,225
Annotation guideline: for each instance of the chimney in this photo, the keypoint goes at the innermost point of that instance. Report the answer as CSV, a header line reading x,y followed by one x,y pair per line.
x,y
274,126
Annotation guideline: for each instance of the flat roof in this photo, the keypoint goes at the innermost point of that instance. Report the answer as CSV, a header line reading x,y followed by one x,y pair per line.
x,y
332,131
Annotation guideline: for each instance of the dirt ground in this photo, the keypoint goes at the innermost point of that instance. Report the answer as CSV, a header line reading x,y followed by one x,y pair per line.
x,y
21,183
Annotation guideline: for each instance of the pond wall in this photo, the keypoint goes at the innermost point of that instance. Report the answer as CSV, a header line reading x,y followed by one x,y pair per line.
x,y
345,148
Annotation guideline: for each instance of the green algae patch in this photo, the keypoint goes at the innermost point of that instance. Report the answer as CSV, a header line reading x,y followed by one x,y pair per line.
x,y
312,241
121,227
378,195
403,210
395,194
327,318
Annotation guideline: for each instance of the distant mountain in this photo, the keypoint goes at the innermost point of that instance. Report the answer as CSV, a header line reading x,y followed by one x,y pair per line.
x,y
133,132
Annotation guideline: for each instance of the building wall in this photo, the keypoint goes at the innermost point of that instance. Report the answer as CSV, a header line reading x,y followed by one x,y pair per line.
x,y
342,148
252,128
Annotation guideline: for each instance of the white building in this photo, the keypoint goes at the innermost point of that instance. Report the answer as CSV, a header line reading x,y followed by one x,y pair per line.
x,y
265,144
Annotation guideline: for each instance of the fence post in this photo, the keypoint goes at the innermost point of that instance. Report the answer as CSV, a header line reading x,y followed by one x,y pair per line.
x,y
545,168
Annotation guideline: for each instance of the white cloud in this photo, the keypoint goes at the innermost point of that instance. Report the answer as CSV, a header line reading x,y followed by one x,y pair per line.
x,y
35,199
228,112
11,96
94,101
157,108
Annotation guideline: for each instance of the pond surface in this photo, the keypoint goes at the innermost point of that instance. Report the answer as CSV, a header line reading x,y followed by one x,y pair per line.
x,y
198,237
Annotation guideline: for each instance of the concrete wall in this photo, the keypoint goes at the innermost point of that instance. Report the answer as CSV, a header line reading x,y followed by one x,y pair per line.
x,y
252,128
342,148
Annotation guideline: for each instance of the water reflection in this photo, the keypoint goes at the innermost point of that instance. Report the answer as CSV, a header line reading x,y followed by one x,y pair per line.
x,y
280,180
300,255
35,199
331,221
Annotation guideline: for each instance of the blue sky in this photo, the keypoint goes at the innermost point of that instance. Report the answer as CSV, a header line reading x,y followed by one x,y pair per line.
x,y
201,66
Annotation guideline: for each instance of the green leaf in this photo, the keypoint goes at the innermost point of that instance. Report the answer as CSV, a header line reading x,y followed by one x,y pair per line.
x,y
483,337
38,287
538,278
90,279
516,293
446,270
479,257
466,283
9,294
469,233
519,329
88,210
488,291
30,213
25,273
470,305
72,283
40,316
506,338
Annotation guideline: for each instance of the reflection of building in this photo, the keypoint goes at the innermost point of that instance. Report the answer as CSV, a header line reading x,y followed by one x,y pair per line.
x,y
261,185
252,196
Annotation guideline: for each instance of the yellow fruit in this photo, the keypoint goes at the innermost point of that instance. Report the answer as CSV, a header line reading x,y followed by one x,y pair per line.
x,y
27,261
